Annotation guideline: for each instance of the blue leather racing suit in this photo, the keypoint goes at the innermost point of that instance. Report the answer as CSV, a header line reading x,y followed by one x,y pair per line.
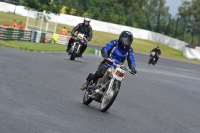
x,y
119,54
116,53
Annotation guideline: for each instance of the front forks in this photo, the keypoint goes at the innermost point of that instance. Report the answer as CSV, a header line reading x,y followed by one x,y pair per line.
x,y
73,47
109,90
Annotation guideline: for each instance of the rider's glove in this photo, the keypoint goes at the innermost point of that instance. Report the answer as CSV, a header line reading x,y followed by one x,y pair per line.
x,y
73,37
104,55
72,34
133,71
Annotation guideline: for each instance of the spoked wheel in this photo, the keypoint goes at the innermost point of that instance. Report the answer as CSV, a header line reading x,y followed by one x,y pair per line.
x,y
108,99
86,99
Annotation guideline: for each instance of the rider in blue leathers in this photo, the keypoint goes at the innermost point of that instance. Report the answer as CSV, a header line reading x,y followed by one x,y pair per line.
x,y
118,54
118,50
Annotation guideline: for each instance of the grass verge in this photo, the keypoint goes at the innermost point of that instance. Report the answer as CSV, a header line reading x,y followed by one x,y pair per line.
x,y
37,47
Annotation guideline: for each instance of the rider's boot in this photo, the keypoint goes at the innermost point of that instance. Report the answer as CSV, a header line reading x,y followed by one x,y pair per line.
x,y
92,87
83,48
68,47
83,86
88,79
97,84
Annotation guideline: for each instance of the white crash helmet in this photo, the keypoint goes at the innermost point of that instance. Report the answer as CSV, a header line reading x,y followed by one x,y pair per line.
x,y
87,18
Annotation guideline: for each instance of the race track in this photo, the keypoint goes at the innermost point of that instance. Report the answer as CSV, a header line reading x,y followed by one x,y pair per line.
x,y
39,93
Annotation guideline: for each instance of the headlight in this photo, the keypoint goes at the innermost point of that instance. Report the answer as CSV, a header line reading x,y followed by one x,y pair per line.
x,y
110,70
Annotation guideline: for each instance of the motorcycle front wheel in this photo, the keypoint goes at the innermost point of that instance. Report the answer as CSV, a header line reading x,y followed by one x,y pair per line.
x,y
73,55
149,61
86,99
109,97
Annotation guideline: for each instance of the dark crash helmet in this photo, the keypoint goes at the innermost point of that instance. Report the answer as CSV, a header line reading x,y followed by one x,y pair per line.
x,y
126,39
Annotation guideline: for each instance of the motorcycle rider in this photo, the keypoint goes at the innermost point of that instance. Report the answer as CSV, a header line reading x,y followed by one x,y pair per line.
x,y
85,29
157,53
118,50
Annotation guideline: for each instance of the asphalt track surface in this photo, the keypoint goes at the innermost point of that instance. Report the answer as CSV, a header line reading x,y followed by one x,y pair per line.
x,y
95,46
39,93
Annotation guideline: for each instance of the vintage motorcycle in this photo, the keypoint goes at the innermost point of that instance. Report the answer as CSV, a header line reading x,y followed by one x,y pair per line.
x,y
152,58
106,88
79,39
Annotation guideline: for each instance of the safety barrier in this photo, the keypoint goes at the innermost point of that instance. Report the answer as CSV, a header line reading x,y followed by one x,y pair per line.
x,y
7,33
14,34
59,39
37,36
192,53
49,37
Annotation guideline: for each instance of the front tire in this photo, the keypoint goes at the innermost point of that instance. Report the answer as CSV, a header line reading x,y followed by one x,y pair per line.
x,y
150,60
73,55
109,97
86,99
153,61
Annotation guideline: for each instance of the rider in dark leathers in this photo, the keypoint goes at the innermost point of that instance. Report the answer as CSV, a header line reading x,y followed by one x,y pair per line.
x,y
118,50
85,29
157,53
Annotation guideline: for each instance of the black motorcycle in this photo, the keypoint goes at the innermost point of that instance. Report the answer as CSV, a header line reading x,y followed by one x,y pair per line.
x,y
107,87
79,39
152,59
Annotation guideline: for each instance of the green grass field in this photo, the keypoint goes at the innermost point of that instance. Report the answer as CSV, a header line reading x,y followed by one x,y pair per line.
x,y
37,47
101,38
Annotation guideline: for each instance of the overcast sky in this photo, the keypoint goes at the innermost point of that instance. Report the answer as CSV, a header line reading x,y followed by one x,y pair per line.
x,y
173,6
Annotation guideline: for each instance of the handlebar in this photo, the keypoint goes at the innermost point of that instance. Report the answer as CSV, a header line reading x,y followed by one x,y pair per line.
x,y
83,38
76,36
118,65
109,59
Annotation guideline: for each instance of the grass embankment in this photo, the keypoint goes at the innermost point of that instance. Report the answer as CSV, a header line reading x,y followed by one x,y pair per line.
x,y
37,47
99,38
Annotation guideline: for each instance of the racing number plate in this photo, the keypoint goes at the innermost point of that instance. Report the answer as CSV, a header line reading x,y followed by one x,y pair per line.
x,y
80,36
119,74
